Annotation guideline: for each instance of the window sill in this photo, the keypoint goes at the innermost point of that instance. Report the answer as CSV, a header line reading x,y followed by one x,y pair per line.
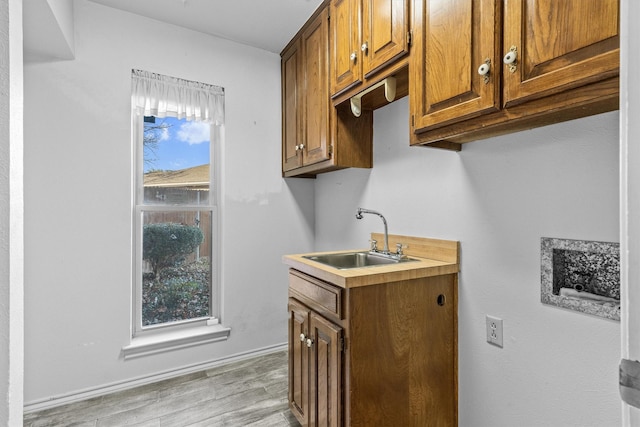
x,y
174,340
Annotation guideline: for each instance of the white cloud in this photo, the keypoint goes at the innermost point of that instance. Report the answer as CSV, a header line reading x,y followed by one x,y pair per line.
x,y
164,134
194,132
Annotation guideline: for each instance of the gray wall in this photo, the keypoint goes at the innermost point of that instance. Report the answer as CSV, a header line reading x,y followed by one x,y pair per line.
x,y
78,201
498,197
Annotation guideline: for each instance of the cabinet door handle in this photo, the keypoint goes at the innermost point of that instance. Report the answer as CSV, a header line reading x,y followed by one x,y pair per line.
x,y
511,59
365,47
309,342
353,56
484,70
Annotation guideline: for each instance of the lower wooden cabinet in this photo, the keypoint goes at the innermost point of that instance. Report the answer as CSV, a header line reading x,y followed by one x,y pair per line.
x,y
298,360
378,355
315,367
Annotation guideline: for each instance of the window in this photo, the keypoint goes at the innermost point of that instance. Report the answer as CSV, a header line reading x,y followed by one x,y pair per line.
x,y
175,215
176,127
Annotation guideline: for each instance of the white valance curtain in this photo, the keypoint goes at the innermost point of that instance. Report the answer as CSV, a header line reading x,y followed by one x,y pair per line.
x,y
161,96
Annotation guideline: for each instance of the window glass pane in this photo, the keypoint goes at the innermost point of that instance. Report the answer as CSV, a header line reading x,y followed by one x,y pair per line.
x,y
176,156
176,274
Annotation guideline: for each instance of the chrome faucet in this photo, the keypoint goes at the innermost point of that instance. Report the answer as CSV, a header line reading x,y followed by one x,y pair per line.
x,y
361,211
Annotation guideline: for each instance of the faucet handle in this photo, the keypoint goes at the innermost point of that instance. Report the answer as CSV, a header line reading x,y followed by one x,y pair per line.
x,y
400,247
374,245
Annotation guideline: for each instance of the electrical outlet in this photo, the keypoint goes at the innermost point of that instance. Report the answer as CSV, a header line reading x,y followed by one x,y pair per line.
x,y
494,330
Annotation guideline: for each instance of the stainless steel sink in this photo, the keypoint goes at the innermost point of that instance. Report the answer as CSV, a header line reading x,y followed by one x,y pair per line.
x,y
346,260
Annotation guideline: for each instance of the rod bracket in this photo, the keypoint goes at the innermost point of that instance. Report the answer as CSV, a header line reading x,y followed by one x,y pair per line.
x,y
389,93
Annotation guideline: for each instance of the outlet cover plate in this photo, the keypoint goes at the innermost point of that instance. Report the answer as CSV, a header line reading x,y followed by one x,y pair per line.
x,y
494,331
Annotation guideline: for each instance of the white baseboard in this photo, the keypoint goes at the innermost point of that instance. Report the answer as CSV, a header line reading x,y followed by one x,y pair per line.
x,y
54,401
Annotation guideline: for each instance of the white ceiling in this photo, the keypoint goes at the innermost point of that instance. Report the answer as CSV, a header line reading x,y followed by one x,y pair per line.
x,y
266,24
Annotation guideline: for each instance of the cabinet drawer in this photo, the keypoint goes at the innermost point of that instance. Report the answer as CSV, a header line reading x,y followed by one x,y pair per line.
x,y
320,296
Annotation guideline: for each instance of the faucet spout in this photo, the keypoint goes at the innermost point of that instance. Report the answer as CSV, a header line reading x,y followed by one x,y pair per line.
x,y
359,215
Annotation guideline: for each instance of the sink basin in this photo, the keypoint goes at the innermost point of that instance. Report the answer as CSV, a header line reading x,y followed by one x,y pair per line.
x,y
346,260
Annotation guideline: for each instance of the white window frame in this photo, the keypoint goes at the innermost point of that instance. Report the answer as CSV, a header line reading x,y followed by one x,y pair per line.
x,y
154,339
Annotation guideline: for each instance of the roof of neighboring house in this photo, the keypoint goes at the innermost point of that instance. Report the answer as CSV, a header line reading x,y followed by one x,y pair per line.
x,y
195,177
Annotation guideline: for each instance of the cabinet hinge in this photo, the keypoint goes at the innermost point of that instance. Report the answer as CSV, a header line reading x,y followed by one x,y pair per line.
x,y
330,150
409,37
342,344
413,121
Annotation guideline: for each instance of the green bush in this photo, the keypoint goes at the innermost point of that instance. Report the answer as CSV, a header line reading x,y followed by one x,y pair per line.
x,y
167,244
173,300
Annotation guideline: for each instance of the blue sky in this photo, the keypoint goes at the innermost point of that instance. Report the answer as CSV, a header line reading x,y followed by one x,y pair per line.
x,y
181,145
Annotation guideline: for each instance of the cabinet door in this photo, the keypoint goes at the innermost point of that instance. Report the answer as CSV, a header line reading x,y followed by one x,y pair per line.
x,y
385,25
291,103
316,104
298,360
346,64
326,373
560,44
452,39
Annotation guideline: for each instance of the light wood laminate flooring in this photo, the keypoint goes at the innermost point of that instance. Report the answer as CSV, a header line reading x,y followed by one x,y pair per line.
x,y
251,392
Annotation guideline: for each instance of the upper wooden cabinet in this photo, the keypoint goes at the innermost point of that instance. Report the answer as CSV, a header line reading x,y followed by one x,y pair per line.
x,y
366,37
306,107
291,106
542,62
478,68
559,45
385,33
315,106
453,38
345,30
316,136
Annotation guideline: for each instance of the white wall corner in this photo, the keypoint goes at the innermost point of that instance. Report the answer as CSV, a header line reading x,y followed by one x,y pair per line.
x,y
629,199
11,215
49,30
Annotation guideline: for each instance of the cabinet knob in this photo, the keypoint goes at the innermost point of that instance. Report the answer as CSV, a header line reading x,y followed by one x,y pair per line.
x,y
483,70
309,342
510,58
364,47
353,56
297,147
301,146
303,337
